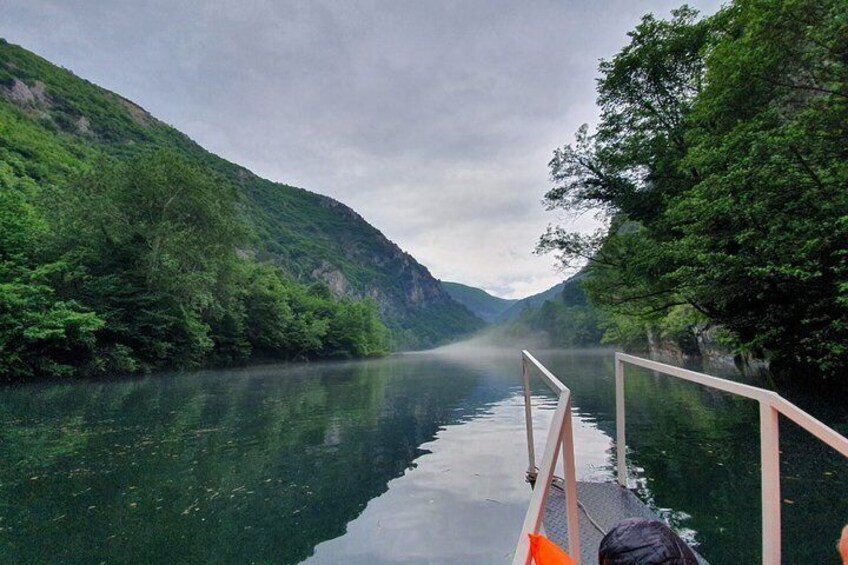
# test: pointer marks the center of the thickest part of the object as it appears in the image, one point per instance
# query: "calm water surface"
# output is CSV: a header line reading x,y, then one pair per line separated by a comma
x,y
414,459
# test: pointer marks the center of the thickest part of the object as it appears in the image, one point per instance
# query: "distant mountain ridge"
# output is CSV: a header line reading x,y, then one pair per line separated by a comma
x,y
495,310
314,237
561,316
531,302
478,301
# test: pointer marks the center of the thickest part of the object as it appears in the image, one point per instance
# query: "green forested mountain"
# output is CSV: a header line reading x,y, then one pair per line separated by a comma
x,y
530,303
561,316
126,246
478,301
721,164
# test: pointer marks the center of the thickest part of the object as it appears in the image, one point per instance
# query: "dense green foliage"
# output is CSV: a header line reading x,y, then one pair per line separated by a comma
x,y
39,332
721,166
118,256
59,133
135,265
481,303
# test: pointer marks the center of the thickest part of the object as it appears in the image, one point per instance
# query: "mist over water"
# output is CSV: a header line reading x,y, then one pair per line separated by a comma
x,y
493,345
418,458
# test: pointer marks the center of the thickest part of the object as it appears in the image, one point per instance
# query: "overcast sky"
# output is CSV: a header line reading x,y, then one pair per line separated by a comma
x,y
434,120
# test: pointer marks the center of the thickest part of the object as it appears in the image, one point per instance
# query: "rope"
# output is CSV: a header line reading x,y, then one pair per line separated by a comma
x,y
592,520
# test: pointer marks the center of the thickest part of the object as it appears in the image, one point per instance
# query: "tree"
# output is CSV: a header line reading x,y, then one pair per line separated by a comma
x,y
145,264
631,168
765,232
720,165
151,240
39,332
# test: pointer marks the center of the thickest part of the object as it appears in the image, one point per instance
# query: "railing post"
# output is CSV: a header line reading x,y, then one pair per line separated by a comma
x,y
770,477
536,512
570,475
620,441
528,416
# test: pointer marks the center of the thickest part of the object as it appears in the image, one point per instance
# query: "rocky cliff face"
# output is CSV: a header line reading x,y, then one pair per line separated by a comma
x,y
318,238
402,287
416,288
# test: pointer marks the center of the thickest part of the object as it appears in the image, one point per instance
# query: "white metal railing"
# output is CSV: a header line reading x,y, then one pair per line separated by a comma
x,y
560,436
771,406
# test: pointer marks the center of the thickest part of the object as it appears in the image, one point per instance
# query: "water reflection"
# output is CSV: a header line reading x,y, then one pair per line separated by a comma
x,y
465,500
416,458
233,466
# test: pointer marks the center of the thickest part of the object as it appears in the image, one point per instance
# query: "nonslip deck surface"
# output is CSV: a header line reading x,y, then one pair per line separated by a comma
x,y
606,504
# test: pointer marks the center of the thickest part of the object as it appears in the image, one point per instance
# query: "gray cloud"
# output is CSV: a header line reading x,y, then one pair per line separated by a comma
x,y
434,120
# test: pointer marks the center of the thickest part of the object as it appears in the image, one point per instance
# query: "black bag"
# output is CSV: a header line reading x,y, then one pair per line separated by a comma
x,y
637,541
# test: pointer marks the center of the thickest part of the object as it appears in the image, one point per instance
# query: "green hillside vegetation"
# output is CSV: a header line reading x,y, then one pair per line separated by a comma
x,y
124,246
135,266
478,301
721,163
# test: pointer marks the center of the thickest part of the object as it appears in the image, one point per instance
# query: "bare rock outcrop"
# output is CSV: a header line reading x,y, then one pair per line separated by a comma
x,y
333,278
23,95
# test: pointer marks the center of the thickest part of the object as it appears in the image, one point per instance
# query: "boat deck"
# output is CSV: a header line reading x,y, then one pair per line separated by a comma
x,y
601,507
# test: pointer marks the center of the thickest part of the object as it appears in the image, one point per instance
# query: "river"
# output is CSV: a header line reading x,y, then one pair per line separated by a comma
x,y
415,458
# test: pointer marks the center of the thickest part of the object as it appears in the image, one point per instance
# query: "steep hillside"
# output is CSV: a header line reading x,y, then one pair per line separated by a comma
x,y
531,302
54,124
478,301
